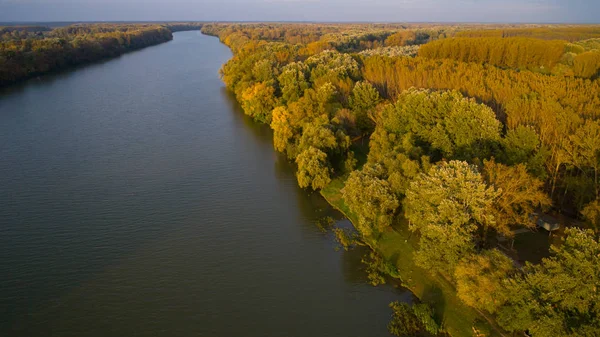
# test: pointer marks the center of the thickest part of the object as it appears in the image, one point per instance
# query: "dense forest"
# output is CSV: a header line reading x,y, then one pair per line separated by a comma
x,y
442,144
27,51
546,56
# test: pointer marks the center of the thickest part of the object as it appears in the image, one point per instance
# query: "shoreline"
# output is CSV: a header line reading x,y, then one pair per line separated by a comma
x,y
107,56
456,317
431,289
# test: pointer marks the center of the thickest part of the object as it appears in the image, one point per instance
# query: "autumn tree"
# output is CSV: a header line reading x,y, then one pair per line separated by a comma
x,y
479,279
518,195
587,64
258,101
401,38
520,53
584,152
591,213
282,128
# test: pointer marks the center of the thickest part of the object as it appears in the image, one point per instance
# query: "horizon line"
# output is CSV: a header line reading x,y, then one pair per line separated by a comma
x,y
307,21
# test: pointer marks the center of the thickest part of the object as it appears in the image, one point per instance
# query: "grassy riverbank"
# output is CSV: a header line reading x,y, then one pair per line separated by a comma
x,y
396,246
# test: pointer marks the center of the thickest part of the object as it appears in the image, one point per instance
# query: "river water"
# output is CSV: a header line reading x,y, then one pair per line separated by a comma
x,y
138,200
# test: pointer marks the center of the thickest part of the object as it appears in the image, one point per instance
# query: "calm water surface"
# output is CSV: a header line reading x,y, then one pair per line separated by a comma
x,y
137,200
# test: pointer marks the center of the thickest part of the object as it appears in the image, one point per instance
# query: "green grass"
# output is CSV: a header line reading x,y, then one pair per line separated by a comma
x,y
397,246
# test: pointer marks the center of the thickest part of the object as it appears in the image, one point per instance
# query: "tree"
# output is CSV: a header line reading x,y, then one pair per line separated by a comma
x,y
479,279
370,198
282,128
519,195
584,151
447,206
558,297
447,122
313,169
401,38
587,65
522,145
413,320
425,314
317,135
591,212
404,322
363,100
264,71
293,81
364,97
258,101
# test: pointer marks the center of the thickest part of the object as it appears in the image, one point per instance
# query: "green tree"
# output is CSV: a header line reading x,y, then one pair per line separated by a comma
x,y
558,297
293,81
371,199
447,206
522,145
425,314
447,122
363,100
404,322
313,169
317,135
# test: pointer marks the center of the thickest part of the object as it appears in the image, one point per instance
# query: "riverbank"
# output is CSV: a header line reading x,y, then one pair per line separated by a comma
x,y
66,47
396,246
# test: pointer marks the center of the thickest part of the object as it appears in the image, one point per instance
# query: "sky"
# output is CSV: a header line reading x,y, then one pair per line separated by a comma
x,y
534,11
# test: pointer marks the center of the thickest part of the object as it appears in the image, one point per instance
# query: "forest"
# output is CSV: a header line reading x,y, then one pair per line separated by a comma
x,y
29,51
442,144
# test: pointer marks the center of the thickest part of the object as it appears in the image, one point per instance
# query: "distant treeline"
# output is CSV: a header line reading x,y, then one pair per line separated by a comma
x,y
25,53
568,33
546,56
180,27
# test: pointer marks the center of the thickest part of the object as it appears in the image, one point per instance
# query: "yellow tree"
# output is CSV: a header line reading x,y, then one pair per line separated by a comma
x,y
479,279
282,129
519,194
258,101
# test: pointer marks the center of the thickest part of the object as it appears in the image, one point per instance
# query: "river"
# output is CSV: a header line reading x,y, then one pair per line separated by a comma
x,y
138,200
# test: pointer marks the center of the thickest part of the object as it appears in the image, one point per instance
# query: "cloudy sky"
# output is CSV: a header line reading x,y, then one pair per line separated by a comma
x,y
572,11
